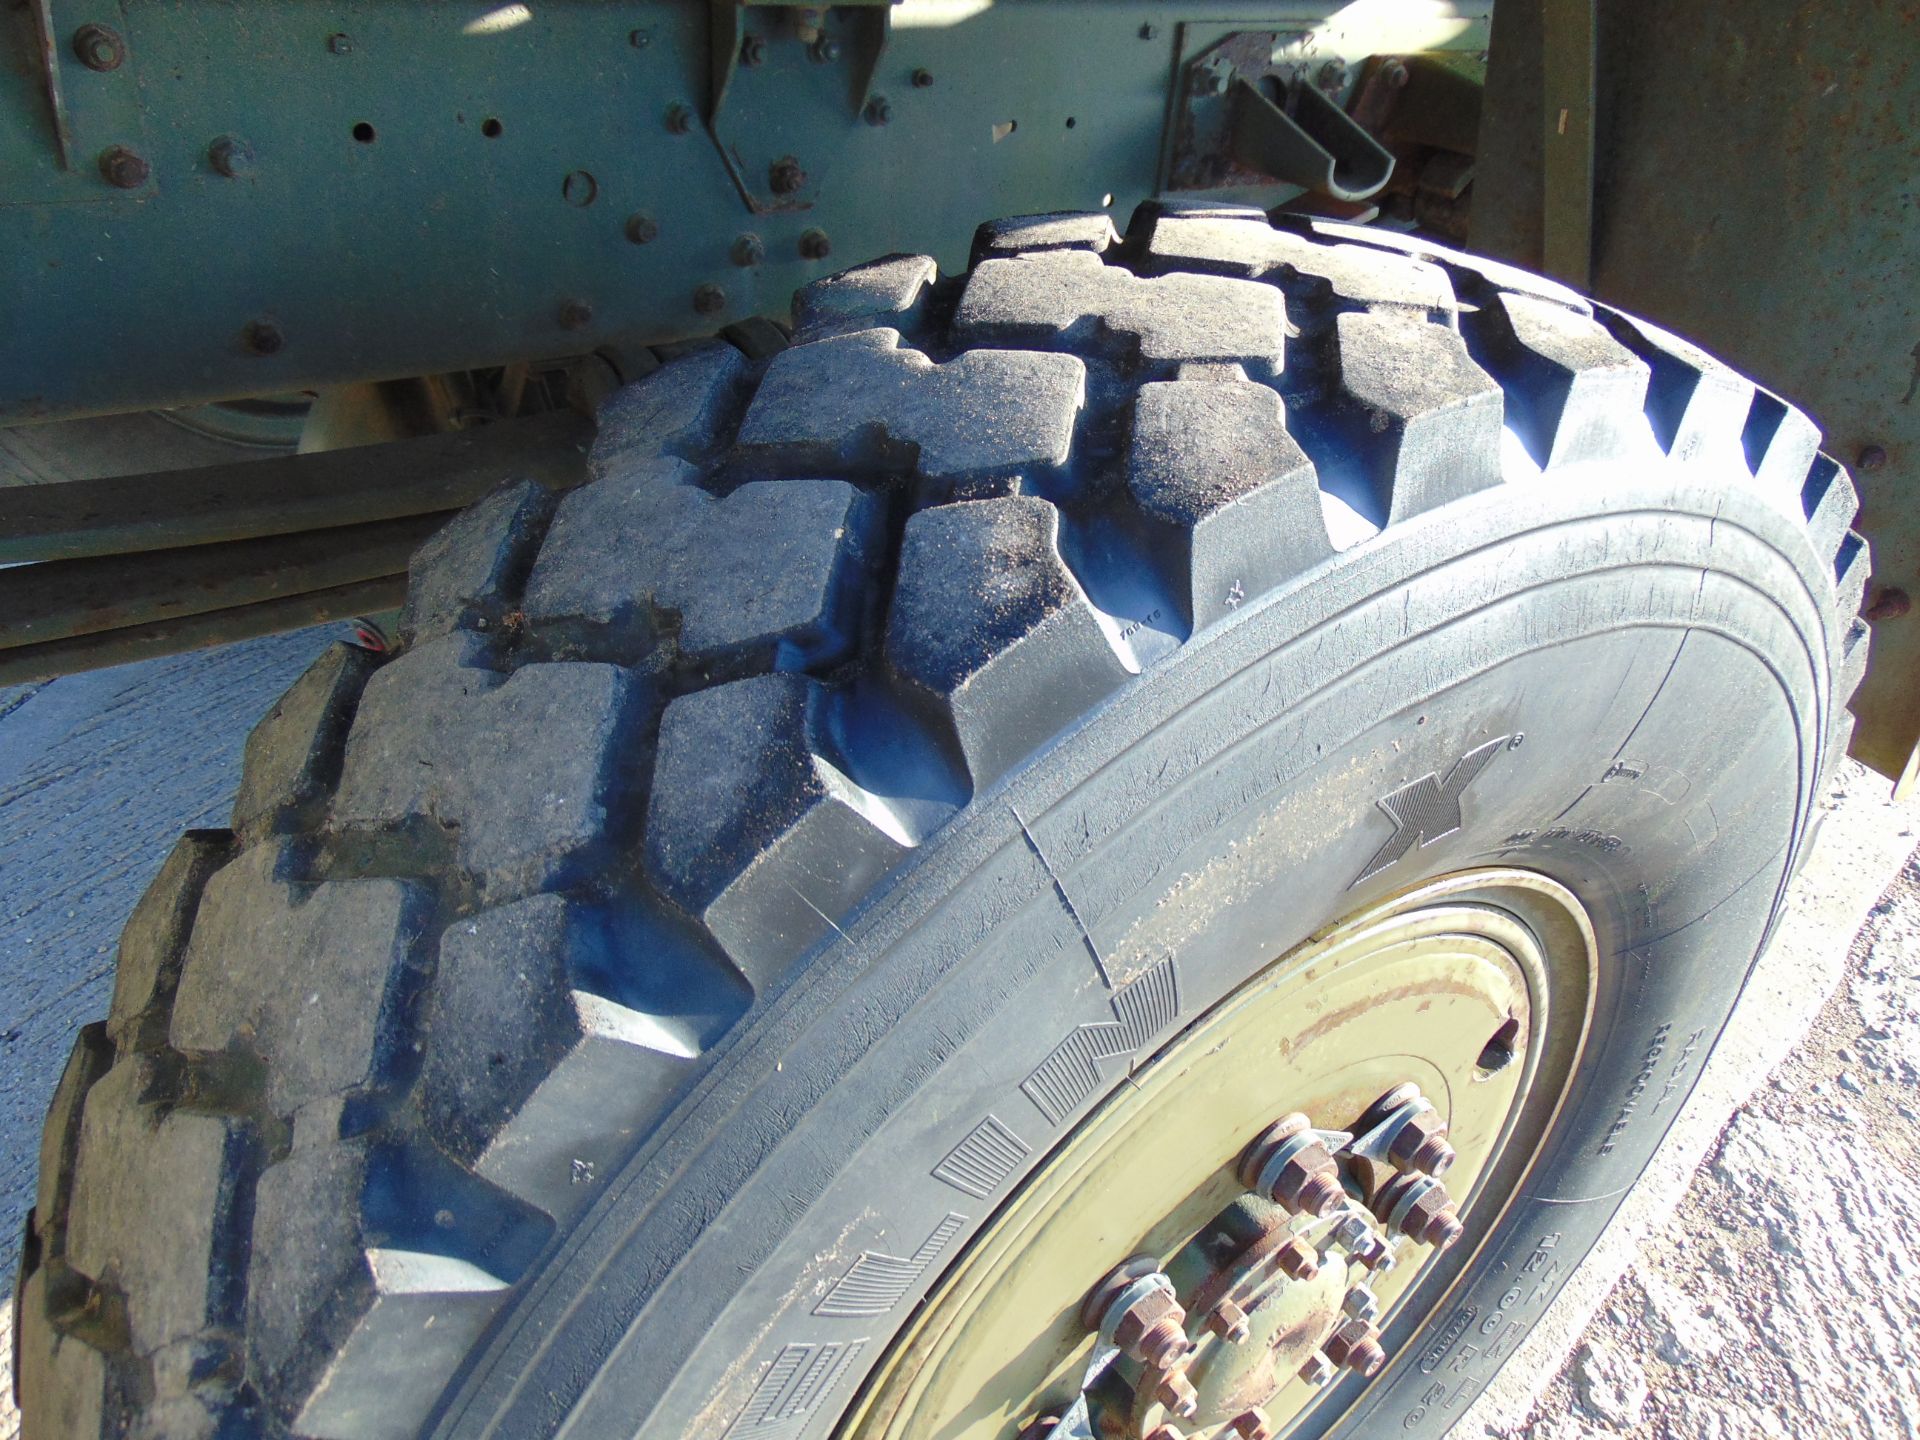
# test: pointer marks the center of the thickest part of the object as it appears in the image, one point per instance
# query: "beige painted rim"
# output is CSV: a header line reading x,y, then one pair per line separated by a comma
x,y
1411,989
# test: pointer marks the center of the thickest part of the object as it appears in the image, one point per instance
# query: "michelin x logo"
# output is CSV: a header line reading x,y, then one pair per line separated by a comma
x,y
1429,809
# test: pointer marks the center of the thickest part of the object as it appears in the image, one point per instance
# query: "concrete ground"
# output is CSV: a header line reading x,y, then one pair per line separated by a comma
x,y
1767,1291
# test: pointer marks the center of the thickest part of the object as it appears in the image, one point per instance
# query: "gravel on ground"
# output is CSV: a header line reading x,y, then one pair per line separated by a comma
x,y
1782,1298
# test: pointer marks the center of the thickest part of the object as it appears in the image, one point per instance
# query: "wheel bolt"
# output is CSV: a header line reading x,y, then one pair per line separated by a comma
x,y
1176,1392
1419,1207
1318,1369
1297,1260
1229,1322
1292,1166
1360,1303
1422,1145
1250,1425
1356,1345
1165,1343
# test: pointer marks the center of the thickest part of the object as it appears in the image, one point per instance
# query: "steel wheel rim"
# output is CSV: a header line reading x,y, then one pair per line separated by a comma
x,y
1000,1341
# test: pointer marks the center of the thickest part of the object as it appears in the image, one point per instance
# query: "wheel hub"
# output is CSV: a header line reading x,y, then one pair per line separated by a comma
x,y
1270,1188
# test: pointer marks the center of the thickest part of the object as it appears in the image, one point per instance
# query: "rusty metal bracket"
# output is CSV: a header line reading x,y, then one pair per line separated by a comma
x,y
1307,141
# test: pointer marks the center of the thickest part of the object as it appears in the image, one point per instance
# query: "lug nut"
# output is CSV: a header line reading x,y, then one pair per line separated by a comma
x,y
1176,1392
1291,1166
1419,1207
1229,1322
1297,1260
1355,1344
1250,1425
1360,1303
1422,1145
1318,1369
99,47
123,169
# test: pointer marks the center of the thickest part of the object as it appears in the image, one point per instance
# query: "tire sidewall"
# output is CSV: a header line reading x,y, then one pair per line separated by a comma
x,y
1217,811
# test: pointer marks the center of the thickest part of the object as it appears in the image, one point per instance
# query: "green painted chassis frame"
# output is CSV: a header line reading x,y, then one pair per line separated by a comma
x,y
337,191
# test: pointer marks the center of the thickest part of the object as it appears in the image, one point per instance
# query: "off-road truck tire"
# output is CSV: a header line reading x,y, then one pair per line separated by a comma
x,y
609,1010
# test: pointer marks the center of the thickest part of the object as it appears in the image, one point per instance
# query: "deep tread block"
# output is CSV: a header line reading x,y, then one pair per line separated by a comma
x,y
91,1058
293,754
464,575
1852,668
890,291
989,622
1251,248
1693,401
754,829
1851,565
1435,415
1781,443
520,774
1578,393
155,940
157,1195
1483,273
1829,503
402,1261
683,409
1213,462
859,404
768,576
314,976
1071,299
64,1384
1061,230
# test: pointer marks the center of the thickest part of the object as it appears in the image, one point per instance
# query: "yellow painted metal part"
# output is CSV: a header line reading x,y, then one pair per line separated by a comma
x,y
1410,991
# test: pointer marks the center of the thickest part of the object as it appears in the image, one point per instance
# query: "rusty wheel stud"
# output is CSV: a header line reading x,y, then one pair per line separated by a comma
x,y
1418,1207
1176,1392
1292,1166
1229,1322
1355,1345
1297,1260
1318,1369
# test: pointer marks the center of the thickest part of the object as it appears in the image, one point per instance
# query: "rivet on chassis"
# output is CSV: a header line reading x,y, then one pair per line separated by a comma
x,y
1870,457
879,111
575,315
339,44
99,47
785,175
262,337
123,169
753,50
824,51
230,156
679,119
1290,1165
1889,602
709,299
747,250
922,79
642,229
814,245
